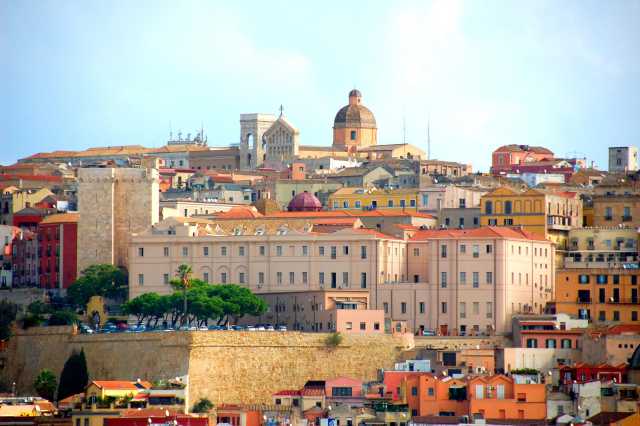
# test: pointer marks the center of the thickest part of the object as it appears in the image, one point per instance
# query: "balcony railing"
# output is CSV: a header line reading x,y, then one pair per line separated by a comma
x,y
624,301
627,218
584,300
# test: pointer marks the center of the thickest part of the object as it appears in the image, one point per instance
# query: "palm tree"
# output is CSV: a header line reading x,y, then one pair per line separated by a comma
x,y
184,275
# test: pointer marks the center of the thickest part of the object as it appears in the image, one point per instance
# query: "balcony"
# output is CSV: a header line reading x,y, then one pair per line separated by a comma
x,y
584,301
624,301
608,218
627,218
558,223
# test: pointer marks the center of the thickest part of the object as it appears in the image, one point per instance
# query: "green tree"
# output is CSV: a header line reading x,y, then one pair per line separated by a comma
x,y
74,376
98,280
63,317
38,307
183,283
8,312
202,406
45,384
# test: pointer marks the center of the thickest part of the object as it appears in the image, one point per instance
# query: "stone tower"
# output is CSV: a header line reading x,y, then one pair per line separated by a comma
x,y
252,145
113,203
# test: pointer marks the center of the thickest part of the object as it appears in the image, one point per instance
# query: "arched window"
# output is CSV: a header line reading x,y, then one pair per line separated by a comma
x,y
488,207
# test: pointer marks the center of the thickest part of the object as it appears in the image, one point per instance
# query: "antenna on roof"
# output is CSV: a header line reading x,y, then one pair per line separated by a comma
x,y
428,139
404,129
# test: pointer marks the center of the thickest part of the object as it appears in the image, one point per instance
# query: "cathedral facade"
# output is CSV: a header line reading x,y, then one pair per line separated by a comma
x,y
267,139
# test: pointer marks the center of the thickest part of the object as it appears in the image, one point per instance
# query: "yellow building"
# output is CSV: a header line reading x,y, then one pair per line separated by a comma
x,y
549,214
373,199
599,294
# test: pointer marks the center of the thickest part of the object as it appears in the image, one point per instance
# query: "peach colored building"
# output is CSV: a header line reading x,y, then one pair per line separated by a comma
x,y
268,256
323,310
454,281
468,281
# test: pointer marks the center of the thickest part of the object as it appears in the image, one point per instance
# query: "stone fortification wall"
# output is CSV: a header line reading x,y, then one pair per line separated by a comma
x,y
222,366
125,356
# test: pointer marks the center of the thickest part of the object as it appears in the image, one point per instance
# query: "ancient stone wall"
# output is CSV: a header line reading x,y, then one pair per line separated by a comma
x,y
222,366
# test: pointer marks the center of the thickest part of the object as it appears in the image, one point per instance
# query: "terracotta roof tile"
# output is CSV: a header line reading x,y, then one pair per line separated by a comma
x,y
483,232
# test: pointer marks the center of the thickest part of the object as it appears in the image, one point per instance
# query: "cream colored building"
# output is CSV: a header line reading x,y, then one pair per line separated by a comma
x,y
485,276
433,198
265,255
469,281
112,204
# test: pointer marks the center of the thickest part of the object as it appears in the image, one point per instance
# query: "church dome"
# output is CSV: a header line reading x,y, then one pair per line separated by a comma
x,y
355,114
304,202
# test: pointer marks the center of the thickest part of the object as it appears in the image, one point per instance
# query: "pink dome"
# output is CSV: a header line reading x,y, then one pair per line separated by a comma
x,y
304,202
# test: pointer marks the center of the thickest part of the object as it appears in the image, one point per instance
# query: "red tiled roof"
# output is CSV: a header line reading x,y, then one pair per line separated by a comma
x,y
239,213
6,176
312,392
483,232
289,392
335,221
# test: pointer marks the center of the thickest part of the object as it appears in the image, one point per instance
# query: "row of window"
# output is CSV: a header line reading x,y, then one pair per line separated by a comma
x,y
475,279
443,308
462,309
602,315
550,343
475,250
224,251
603,279
331,278
345,204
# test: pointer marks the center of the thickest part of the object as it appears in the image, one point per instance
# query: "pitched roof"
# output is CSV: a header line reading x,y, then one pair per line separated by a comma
x,y
121,384
61,218
287,392
501,232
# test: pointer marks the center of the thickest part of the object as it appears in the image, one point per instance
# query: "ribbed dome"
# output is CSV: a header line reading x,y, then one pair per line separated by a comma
x,y
304,202
355,114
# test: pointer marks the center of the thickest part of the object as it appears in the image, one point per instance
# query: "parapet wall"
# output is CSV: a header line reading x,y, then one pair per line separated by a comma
x,y
222,366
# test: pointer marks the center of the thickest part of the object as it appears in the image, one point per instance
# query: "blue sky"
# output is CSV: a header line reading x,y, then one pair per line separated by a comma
x,y
563,74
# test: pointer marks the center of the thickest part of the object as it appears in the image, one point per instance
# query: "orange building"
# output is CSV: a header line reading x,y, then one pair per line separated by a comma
x,y
502,397
598,294
428,395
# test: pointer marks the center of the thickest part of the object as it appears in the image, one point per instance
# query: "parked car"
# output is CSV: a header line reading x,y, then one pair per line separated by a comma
x,y
85,329
203,328
281,328
269,327
237,327
109,328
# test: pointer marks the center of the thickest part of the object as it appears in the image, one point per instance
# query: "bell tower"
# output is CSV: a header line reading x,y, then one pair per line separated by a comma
x,y
252,145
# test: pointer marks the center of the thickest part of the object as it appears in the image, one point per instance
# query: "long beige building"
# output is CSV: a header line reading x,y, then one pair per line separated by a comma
x,y
453,281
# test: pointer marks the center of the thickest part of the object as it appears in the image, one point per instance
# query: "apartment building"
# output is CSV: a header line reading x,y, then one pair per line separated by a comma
x,y
616,209
459,281
268,256
601,294
434,198
469,281
551,215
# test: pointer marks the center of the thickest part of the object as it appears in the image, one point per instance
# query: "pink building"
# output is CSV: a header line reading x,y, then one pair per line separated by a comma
x,y
343,388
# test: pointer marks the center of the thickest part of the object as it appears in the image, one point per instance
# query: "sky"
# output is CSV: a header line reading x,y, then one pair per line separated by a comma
x,y
562,74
